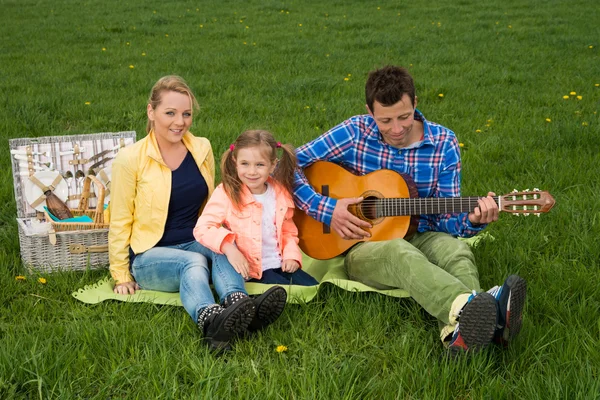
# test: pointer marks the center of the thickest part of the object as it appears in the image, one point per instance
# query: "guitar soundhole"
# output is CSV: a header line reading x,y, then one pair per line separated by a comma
x,y
369,208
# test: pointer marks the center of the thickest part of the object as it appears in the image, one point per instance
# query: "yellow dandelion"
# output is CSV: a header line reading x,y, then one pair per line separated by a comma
x,y
104,49
548,120
43,281
584,123
489,121
572,93
306,107
579,97
201,26
281,348
247,27
461,145
346,79
154,12
591,47
441,95
87,103
565,97
326,55
166,35
143,54
197,9
287,12
299,24
477,130
379,8
487,125
245,43
131,67
597,85
20,278
253,43
510,27
127,43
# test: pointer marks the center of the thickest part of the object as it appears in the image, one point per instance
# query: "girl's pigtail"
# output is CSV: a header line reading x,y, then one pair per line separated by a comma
x,y
284,173
229,176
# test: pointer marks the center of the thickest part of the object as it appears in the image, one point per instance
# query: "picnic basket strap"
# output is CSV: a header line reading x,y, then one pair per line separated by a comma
x,y
83,203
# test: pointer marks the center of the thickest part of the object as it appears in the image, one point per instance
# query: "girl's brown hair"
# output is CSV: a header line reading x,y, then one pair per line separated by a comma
x,y
284,171
169,83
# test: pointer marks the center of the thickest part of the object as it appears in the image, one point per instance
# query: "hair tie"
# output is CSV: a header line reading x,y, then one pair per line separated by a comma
x,y
231,147
278,145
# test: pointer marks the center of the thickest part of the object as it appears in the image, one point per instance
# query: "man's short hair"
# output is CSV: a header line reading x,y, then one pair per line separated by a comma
x,y
387,86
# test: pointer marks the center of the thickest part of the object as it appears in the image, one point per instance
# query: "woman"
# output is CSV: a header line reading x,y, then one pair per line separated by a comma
x,y
159,186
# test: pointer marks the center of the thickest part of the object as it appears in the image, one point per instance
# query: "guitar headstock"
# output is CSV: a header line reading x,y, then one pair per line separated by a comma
x,y
526,202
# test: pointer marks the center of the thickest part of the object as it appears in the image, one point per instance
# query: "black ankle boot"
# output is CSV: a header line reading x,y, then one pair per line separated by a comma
x,y
269,307
220,325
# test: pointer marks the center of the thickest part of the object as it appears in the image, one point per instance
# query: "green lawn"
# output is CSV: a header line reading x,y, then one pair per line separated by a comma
x,y
298,68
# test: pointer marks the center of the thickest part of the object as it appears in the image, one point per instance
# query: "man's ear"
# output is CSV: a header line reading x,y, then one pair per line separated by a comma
x,y
416,98
369,110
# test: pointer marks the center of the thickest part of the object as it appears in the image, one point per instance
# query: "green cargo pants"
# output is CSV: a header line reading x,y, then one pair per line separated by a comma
x,y
433,267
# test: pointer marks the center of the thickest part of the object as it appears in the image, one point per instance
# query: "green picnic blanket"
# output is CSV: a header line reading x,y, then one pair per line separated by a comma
x,y
325,271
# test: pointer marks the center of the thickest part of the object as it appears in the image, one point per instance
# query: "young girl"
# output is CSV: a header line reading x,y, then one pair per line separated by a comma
x,y
249,216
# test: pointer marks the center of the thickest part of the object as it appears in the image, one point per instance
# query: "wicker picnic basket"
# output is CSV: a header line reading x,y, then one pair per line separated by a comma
x,y
65,246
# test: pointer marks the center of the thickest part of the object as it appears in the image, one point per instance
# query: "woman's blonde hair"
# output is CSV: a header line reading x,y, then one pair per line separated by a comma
x,y
169,83
284,171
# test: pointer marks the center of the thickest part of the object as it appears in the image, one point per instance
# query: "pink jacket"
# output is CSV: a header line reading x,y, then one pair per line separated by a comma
x,y
220,222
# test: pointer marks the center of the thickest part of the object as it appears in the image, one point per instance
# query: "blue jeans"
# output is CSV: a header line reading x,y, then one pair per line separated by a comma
x,y
277,276
184,268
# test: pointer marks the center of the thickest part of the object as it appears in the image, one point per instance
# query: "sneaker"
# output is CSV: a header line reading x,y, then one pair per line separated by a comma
x,y
476,324
510,299
223,324
269,307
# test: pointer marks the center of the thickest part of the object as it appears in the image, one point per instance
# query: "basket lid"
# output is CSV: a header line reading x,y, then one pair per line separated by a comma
x,y
55,161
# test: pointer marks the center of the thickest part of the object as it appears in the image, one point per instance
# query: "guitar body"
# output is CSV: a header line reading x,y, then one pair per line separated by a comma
x,y
319,241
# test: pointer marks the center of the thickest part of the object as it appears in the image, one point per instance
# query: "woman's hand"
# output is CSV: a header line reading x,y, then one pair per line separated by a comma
x,y
126,288
237,260
290,266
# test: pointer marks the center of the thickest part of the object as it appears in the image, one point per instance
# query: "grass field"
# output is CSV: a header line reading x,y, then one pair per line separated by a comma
x,y
497,73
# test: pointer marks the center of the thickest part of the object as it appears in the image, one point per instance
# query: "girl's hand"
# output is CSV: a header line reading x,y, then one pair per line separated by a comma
x,y
126,288
237,260
290,266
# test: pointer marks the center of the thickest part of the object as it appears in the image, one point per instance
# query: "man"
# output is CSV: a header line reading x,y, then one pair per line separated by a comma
x,y
433,266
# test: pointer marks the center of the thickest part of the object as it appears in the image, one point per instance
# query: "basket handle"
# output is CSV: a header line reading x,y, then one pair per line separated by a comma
x,y
85,195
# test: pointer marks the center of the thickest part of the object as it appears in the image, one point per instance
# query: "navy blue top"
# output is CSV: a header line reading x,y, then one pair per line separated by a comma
x,y
188,192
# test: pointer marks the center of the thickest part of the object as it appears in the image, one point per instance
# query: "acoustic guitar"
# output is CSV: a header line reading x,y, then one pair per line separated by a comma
x,y
391,205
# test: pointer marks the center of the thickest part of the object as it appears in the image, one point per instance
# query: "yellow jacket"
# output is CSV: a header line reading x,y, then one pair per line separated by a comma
x,y
139,198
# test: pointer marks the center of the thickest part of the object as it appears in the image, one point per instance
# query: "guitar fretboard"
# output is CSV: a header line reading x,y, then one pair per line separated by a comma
x,y
431,205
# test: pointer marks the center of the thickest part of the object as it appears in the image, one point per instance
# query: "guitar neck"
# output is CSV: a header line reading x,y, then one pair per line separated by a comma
x,y
390,207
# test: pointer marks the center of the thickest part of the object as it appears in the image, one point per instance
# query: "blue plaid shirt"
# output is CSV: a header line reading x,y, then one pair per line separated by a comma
x,y
356,144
